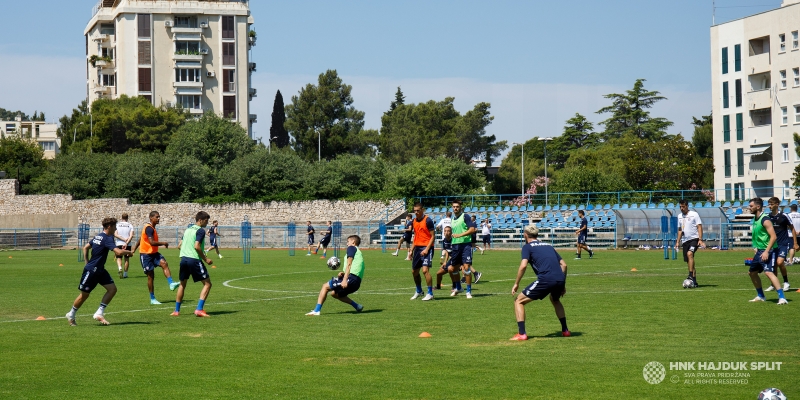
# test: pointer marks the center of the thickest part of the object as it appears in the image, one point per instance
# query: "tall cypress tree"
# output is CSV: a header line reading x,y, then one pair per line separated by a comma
x,y
399,99
277,132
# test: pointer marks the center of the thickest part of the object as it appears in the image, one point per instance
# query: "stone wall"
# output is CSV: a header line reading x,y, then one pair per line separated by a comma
x,y
179,214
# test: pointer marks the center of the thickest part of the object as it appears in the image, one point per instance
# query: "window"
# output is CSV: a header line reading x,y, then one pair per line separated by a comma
x,y
186,22
107,52
148,97
782,38
144,53
187,47
739,127
725,101
785,152
724,60
229,107
783,78
48,146
106,29
737,58
740,161
229,80
145,82
738,191
11,127
727,163
105,79
796,73
797,113
187,75
227,27
761,117
144,25
189,101
726,128
727,191
787,192
784,116
229,54
738,92
794,40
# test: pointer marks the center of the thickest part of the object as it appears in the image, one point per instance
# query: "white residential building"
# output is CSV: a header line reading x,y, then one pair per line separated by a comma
x,y
188,53
755,76
46,135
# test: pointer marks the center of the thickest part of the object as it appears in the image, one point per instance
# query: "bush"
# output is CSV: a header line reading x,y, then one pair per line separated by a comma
x,y
434,177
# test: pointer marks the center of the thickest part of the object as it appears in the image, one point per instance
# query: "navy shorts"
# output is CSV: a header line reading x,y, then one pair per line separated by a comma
x,y
325,241
150,261
581,239
447,264
214,240
418,261
539,290
487,239
759,266
462,254
91,278
783,251
406,238
194,268
310,239
353,284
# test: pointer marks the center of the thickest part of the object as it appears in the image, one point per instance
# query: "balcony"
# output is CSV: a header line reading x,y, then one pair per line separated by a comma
x,y
194,31
99,89
759,134
759,99
188,56
195,111
759,169
252,92
187,84
253,118
758,63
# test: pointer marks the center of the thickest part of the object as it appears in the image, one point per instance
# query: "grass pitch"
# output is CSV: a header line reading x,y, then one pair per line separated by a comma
x,y
259,344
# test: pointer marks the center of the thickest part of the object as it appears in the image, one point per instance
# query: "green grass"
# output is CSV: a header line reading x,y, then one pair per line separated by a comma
x,y
259,343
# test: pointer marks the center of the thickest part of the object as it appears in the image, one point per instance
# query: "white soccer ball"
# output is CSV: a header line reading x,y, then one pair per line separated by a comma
x,y
688,283
771,394
333,263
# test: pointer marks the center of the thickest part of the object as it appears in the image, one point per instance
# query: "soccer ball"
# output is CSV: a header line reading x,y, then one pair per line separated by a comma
x,y
333,263
688,283
771,394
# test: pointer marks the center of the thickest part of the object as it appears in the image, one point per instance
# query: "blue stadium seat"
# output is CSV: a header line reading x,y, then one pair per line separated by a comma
x,y
428,210
651,205
717,204
727,204
784,203
793,202
572,208
617,207
671,205
436,210
538,208
515,208
482,209
698,205
634,205
708,204
507,208
490,209
737,203
547,208
661,206
787,210
738,211
607,207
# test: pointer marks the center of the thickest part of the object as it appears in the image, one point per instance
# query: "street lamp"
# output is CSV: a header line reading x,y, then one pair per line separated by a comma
x,y
75,131
319,145
522,185
545,140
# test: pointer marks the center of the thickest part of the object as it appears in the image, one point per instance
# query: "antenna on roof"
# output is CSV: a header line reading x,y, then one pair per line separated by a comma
x,y
713,12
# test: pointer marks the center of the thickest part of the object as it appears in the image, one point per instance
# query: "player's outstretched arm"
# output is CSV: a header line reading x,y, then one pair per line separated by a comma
x,y
86,252
120,252
136,247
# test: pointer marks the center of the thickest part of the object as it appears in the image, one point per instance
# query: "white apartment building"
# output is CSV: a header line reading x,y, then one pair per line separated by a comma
x,y
46,135
188,53
755,86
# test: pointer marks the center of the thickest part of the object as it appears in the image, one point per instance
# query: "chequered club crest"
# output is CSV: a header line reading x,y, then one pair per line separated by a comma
x,y
654,372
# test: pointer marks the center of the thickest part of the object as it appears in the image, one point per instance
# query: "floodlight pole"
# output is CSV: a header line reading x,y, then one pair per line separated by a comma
x,y
545,140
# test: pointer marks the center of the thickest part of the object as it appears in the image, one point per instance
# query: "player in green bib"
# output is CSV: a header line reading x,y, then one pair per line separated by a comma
x,y
463,227
192,258
765,242
348,281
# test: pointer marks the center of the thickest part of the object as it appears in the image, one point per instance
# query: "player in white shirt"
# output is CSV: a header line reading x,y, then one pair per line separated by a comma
x,y
122,238
445,222
690,237
794,216
486,235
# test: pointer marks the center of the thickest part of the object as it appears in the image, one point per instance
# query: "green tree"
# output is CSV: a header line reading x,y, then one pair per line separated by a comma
x,y
584,179
434,177
629,115
133,123
8,115
703,137
669,164
212,140
74,129
347,176
399,99
509,177
277,131
578,133
436,129
84,176
325,113
21,158
264,176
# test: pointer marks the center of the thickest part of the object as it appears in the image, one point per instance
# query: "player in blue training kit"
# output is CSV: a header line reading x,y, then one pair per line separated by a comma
x,y
213,238
310,230
325,241
785,235
447,265
583,233
408,232
551,278
347,282
94,272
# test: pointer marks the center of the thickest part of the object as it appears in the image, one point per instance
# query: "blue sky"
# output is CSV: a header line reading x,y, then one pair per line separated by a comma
x,y
536,62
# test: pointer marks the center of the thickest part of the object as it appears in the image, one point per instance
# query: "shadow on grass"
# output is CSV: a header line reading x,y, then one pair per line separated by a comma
x,y
482,294
707,286
133,323
220,312
369,311
558,334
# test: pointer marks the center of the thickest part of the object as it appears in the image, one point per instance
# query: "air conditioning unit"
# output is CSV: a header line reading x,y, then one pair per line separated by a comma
x,y
168,23
211,74
204,24
252,66
169,104
204,51
253,92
